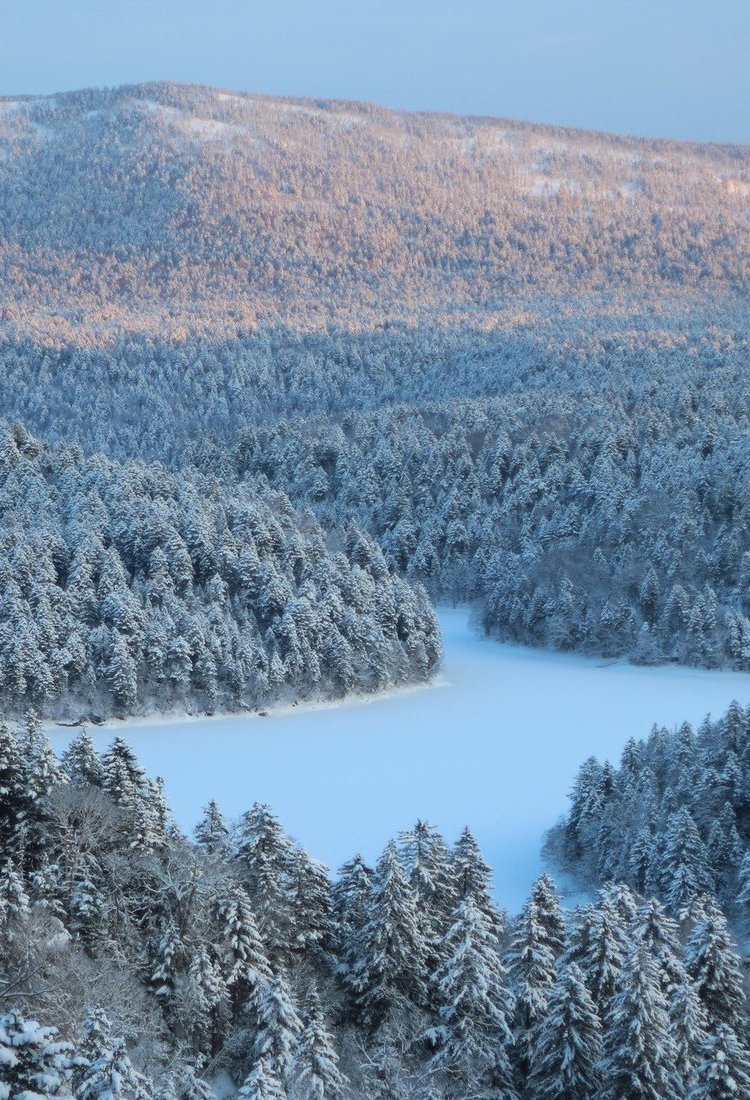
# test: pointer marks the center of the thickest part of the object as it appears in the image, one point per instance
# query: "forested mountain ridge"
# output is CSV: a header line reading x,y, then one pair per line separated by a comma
x,y
171,209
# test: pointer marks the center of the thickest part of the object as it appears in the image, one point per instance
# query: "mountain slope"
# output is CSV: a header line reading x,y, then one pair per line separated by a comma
x,y
168,209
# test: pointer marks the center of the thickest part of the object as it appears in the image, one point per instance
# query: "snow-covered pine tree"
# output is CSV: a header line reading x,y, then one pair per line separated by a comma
x,y
639,1054
111,1076
388,971
14,902
684,868
262,1083
723,1071
277,1029
715,968
431,871
315,1073
34,1063
687,1027
310,911
531,965
81,762
211,832
475,1008
567,1042
244,963
202,1002
350,898
264,858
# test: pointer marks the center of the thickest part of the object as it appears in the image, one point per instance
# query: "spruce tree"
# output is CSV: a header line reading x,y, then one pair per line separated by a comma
x,y
33,1062
567,1043
262,1083
244,962
716,970
475,1007
211,832
265,861
315,1073
81,761
639,1054
277,1029
531,965
389,968
723,1072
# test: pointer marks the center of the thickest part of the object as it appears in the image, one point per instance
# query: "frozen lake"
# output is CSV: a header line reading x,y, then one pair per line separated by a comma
x,y
495,745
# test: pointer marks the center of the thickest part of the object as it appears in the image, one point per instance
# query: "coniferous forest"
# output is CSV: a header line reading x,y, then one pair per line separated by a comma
x,y
166,962
278,376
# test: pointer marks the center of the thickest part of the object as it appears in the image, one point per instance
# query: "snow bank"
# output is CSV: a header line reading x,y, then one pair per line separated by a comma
x,y
495,746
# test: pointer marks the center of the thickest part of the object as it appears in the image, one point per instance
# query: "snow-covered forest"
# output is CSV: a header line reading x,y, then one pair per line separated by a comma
x,y
673,820
275,375
124,587
143,964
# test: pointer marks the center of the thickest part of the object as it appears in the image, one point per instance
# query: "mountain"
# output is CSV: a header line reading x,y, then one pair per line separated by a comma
x,y
172,210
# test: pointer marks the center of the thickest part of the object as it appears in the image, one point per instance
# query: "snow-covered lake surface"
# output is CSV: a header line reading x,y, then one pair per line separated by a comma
x,y
495,745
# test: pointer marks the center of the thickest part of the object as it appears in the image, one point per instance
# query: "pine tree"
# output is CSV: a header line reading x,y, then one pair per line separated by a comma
x,y
34,1063
310,899
658,933
567,1043
211,832
350,897
715,968
13,798
277,1029
262,1083
472,877
684,866
14,902
531,965
81,761
168,951
549,913
598,945
639,1059
475,1007
430,869
723,1073
687,1027
244,962
265,860
315,1073
111,1076
390,964
203,1003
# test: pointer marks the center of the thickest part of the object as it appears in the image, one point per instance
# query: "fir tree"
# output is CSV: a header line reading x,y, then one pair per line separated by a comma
x,y
211,832
389,968
277,1029
715,968
34,1063
315,1073
723,1072
639,1055
81,761
567,1043
262,1083
475,1007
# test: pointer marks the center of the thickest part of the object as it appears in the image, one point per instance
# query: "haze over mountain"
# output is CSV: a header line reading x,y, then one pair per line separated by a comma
x,y
171,210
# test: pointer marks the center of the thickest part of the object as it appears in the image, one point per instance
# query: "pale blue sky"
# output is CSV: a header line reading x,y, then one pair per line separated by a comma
x,y
672,68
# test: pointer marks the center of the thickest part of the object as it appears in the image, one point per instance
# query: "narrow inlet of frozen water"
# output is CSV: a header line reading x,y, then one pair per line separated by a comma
x,y
495,745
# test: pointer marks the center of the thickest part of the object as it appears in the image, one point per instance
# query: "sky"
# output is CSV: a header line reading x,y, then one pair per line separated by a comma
x,y
661,68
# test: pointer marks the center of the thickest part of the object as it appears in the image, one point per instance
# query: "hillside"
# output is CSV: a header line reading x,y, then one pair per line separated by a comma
x,y
173,210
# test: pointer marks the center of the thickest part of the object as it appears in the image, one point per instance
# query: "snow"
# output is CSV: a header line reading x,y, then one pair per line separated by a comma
x,y
495,744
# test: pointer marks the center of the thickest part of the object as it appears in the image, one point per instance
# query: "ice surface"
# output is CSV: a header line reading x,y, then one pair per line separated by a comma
x,y
495,745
